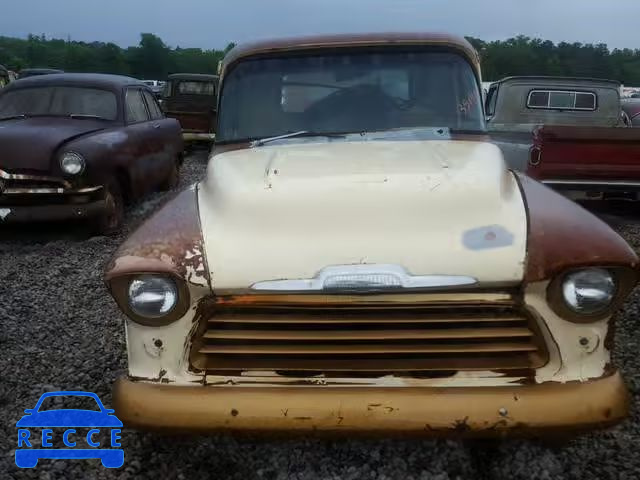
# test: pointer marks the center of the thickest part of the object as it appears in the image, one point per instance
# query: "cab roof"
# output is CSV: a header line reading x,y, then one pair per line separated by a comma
x,y
96,80
203,77
550,79
288,44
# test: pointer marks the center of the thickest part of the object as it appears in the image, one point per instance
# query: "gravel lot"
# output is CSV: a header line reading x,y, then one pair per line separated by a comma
x,y
61,331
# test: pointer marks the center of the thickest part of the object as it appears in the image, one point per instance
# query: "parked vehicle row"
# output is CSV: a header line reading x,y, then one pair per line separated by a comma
x,y
190,98
360,256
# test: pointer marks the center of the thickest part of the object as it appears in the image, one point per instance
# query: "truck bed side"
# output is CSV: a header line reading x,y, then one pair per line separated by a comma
x,y
587,158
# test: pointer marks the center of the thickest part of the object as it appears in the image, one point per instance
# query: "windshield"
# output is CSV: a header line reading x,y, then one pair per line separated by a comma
x,y
349,92
59,101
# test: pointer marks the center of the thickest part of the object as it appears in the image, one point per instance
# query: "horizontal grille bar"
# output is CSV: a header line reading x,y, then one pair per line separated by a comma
x,y
368,317
382,335
438,362
366,349
391,300
378,333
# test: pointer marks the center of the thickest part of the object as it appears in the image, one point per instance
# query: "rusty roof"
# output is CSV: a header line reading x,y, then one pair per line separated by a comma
x,y
96,80
350,40
551,78
192,76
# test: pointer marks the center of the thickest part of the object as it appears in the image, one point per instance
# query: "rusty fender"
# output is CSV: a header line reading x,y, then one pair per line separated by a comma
x,y
522,409
169,242
563,235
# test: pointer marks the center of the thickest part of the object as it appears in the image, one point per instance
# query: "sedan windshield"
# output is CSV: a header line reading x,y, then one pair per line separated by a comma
x,y
349,92
59,101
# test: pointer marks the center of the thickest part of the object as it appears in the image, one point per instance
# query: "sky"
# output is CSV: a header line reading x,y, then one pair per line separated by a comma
x,y
214,23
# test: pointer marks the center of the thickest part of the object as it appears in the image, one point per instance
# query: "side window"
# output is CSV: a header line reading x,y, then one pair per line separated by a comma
x,y
136,109
154,109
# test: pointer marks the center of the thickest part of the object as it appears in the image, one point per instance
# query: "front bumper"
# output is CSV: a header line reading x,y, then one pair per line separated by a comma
x,y
480,411
48,204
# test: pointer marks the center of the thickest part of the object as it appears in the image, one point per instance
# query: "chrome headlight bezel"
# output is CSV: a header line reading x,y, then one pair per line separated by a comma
x,y
579,285
623,281
120,289
161,295
66,163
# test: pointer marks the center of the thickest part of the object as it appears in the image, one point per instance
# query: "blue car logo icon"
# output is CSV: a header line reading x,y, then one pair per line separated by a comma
x,y
69,420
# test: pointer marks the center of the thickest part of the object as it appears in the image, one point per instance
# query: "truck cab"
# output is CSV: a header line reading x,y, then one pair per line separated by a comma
x,y
191,99
517,106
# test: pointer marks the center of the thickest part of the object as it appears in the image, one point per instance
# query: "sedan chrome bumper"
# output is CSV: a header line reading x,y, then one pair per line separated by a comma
x,y
26,198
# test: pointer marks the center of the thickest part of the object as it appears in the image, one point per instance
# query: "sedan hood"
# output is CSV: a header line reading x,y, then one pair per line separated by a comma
x,y
429,207
28,144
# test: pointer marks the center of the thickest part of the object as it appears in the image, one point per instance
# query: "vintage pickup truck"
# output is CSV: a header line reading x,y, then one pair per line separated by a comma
x,y
517,106
360,259
191,98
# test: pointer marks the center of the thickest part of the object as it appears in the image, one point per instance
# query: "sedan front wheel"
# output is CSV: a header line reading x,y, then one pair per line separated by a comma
x,y
110,221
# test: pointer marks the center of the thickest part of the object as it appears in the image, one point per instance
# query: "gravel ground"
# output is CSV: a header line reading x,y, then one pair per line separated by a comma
x,y
61,331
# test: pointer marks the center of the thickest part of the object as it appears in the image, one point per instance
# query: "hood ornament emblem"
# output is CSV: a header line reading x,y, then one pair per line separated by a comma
x,y
364,278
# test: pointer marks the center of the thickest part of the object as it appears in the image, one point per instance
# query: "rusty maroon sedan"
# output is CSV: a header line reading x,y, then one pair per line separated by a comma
x,y
82,146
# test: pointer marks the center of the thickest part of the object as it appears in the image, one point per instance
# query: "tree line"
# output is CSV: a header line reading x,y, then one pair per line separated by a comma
x,y
532,56
150,59
153,59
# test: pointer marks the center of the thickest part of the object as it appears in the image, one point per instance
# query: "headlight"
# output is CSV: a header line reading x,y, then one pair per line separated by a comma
x,y
589,291
72,163
152,296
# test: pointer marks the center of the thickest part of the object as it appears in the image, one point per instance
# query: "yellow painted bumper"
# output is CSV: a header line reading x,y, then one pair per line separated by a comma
x,y
481,411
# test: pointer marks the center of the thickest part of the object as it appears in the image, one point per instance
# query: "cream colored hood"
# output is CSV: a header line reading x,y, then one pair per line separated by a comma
x,y
431,207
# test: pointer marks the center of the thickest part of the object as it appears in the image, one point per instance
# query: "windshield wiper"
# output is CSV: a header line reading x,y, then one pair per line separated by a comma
x,y
13,117
83,116
301,133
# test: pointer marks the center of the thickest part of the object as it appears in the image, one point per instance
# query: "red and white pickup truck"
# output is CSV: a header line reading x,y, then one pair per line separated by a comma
x,y
587,162
570,133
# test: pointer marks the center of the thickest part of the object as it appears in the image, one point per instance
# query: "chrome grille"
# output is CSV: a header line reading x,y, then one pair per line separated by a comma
x,y
368,337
